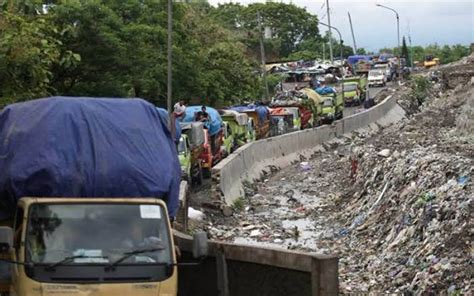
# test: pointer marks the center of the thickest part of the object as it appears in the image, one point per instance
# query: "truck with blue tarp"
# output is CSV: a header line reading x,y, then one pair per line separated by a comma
x,y
87,190
212,152
259,115
360,64
332,104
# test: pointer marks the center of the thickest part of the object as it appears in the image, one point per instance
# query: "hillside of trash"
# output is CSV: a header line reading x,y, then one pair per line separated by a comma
x,y
394,203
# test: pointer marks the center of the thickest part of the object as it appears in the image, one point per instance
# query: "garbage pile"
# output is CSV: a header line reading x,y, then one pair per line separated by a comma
x,y
290,98
395,204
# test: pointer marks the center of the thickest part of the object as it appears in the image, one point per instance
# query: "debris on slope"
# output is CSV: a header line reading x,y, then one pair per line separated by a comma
x,y
395,204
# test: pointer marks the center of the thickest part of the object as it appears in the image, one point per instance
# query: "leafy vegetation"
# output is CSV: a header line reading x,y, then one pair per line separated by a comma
x,y
446,53
118,48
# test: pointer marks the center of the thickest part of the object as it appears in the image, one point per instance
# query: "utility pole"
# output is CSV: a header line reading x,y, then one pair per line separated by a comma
x,y
170,65
330,33
398,33
410,59
324,51
342,56
262,55
352,31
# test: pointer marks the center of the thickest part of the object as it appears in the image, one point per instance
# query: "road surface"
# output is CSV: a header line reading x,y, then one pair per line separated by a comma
x,y
373,91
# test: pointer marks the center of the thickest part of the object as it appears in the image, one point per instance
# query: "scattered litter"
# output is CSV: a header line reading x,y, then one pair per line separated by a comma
x,y
195,214
384,153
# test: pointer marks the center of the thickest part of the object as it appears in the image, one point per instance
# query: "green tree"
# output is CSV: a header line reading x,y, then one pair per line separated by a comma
x,y
123,50
30,50
289,24
405,53
361,51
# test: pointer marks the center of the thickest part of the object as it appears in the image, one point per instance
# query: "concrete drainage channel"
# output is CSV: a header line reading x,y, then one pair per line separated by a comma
x,y
233,269
249,161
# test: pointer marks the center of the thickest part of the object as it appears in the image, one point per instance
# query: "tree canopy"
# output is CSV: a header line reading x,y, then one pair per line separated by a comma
x,y
115,48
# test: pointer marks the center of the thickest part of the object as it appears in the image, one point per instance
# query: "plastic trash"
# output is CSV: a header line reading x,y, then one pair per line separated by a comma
x,y
463,180
305,166
195,214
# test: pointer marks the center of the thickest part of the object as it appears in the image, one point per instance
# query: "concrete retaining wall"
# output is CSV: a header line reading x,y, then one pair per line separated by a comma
x,y
231,269
250,160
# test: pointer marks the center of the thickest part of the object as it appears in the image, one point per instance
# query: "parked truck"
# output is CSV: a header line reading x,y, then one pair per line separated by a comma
x,y
377,77
306,100
354,90
190,151
87,190
332,104
259,117
240,127
360,64
214,136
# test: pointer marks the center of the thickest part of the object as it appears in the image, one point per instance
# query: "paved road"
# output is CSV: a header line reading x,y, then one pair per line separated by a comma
x,y
373,91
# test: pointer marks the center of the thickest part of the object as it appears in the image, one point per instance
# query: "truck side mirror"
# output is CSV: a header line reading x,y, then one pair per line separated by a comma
x,y
200,245
6,239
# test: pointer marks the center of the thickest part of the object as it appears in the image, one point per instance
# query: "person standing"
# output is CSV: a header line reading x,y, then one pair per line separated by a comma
x,y
179,110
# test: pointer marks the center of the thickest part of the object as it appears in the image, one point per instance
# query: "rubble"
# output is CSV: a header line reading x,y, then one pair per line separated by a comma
x,y
395,203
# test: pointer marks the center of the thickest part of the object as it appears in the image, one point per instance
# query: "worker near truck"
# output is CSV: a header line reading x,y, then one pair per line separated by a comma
x,y
179,110
202,115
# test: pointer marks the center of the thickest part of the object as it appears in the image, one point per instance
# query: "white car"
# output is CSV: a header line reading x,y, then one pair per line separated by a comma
x,y
377,78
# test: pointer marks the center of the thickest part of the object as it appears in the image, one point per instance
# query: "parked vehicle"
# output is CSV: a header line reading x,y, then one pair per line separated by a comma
x,y
377,78
385,67
328,110
360,64
430,61
296,117
229,144
354,95
77,200
332,105
306,100
282,121
190,150
240,126
259,117
213,132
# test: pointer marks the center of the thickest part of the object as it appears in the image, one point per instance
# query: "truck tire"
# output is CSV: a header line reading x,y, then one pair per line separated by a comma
x,y
206,173
197,177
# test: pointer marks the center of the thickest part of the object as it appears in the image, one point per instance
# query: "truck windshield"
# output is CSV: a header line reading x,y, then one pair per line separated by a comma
x,y
97,234
375,73
181,146
350,87
327,103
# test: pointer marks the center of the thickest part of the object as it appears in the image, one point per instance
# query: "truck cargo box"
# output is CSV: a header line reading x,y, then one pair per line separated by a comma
x,y
86,147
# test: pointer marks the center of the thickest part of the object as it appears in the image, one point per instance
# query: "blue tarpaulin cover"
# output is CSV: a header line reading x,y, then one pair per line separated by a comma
x,y
261,110
177,129
355,58
214,125
325,90
86,147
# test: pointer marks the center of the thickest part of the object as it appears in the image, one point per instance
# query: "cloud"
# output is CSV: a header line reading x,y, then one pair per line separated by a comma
x,y
426,21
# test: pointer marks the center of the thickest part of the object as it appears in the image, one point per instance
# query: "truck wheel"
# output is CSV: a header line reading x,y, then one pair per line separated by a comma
x,y
206,173
199,178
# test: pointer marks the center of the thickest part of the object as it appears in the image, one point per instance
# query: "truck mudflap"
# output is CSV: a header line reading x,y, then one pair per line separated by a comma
x,y
232,269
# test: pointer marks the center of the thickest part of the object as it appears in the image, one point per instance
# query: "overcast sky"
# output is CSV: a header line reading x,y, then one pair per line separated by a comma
x,y
426,21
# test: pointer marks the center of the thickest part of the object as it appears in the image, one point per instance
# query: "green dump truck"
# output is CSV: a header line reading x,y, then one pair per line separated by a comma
x,y
355,90
239,127
332,105
190,148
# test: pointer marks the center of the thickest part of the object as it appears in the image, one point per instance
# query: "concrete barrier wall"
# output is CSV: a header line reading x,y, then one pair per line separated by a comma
x,y
250,160
231,269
